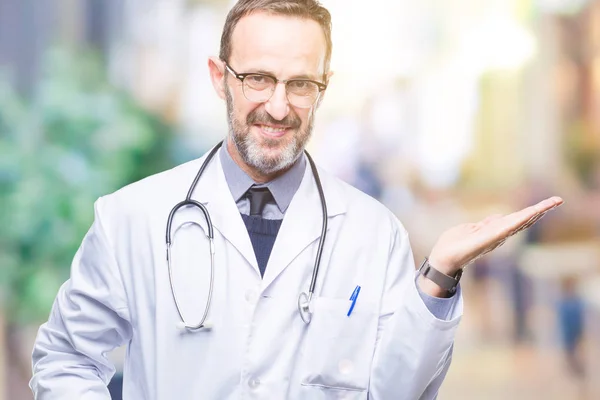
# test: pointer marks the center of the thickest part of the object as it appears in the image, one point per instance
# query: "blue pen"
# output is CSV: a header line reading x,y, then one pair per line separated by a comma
x,y
353,299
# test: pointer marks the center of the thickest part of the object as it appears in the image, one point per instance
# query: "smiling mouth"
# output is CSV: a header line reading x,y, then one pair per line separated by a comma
x,y
273,131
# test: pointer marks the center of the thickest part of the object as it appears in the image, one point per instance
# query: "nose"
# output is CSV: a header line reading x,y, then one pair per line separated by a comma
x,y
277,106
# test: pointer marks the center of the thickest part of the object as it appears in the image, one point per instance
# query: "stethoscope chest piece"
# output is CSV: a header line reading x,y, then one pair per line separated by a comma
x,y
304,307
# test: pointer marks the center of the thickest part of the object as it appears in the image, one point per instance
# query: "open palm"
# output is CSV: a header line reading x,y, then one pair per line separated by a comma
x,y
463,244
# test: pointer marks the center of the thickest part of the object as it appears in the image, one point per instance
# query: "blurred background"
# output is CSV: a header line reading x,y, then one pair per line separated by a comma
x,y
445,111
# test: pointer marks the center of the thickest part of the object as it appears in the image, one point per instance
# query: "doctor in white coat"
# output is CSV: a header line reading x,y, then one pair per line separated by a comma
x,y
375,327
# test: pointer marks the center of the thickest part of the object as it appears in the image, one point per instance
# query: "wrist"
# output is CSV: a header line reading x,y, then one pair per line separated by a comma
x,y
442,265
434,280
432,289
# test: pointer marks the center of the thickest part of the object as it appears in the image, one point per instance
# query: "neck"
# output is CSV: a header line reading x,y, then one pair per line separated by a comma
x,y
257,176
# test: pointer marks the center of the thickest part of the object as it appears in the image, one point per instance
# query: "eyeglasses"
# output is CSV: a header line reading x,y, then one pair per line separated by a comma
x,y
259,88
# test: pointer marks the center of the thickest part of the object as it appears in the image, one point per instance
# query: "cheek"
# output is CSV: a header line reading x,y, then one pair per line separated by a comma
x,y
241,110
305,114
239,104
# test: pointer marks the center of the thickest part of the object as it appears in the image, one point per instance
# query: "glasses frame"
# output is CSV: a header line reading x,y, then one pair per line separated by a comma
x,y
241,77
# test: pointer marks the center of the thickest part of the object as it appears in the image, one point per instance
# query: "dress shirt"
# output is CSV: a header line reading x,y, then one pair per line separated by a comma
x,y
283,188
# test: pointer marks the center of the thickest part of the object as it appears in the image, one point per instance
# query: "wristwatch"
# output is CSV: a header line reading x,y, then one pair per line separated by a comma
x,y
446,282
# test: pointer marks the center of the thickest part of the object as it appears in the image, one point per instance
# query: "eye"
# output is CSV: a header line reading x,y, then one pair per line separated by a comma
x,y
256,79
300,85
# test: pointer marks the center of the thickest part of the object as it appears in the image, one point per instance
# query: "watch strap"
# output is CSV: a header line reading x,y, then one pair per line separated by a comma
x,y
444,281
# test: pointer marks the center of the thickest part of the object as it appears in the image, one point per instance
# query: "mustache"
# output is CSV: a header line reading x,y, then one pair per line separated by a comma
x,y
262,117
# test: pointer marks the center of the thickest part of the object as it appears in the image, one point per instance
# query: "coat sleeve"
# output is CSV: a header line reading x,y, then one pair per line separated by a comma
x,y
414,348
89,318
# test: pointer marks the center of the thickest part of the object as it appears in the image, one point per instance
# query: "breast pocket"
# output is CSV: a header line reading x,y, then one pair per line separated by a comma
x,y
338,348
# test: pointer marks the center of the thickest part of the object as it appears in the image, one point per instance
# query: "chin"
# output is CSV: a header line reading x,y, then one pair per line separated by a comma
x,y
269,159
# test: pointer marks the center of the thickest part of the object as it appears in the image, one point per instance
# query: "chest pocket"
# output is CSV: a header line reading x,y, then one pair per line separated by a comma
x,y
338,349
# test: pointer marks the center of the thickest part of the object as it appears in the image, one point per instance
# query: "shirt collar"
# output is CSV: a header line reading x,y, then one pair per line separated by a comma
x,y
283,187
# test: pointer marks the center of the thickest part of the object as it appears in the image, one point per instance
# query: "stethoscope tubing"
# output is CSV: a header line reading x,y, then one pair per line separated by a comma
x,y
303,299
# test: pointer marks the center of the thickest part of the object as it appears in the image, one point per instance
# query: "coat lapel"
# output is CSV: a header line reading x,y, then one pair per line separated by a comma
x,y
302,223
212,190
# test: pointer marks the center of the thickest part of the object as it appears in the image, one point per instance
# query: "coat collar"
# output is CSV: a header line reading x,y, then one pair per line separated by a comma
x,y
282,188
301,225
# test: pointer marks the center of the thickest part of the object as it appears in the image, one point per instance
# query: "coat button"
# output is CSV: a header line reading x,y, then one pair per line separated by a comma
x,y
254,383
251,296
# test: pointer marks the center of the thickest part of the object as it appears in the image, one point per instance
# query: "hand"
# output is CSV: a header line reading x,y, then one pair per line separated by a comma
x,y
463,244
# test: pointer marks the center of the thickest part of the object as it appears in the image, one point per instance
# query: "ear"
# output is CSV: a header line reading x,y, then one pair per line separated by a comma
x,y
322,96
216,67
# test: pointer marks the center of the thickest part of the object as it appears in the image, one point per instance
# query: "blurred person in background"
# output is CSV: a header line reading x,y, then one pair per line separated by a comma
x,y
367,180
376,328
570,311
533,190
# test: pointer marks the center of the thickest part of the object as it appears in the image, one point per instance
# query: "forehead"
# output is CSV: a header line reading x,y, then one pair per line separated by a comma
x,y
280,44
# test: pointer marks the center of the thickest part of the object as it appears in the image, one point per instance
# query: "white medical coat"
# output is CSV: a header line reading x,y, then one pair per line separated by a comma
x,y
390,347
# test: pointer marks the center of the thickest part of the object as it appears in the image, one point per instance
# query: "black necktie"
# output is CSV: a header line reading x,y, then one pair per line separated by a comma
x,y
259,197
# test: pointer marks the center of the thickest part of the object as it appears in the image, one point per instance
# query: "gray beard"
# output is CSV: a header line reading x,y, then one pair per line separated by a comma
x,y
250,149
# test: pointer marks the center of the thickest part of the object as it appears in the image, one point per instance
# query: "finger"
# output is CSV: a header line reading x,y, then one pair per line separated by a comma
x,y
542,206
496,245
531,221
547,205
527,224
515,221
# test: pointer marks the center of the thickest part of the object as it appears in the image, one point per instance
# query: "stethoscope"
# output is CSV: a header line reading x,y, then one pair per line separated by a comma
x,y
304,299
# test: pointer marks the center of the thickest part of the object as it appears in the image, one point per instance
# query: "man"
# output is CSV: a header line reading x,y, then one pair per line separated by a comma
x,y
392,340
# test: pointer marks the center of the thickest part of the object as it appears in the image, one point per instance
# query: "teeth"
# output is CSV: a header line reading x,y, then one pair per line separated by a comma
x,y
272,130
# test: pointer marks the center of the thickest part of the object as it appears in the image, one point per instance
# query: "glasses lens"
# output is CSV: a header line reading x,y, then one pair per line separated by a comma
x,y
302,93
258,88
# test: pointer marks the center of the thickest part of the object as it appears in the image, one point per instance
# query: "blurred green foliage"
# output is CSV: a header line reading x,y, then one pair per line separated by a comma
x,y
76,139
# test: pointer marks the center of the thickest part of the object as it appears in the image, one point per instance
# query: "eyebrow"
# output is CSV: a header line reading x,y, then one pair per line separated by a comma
x,y
265,72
